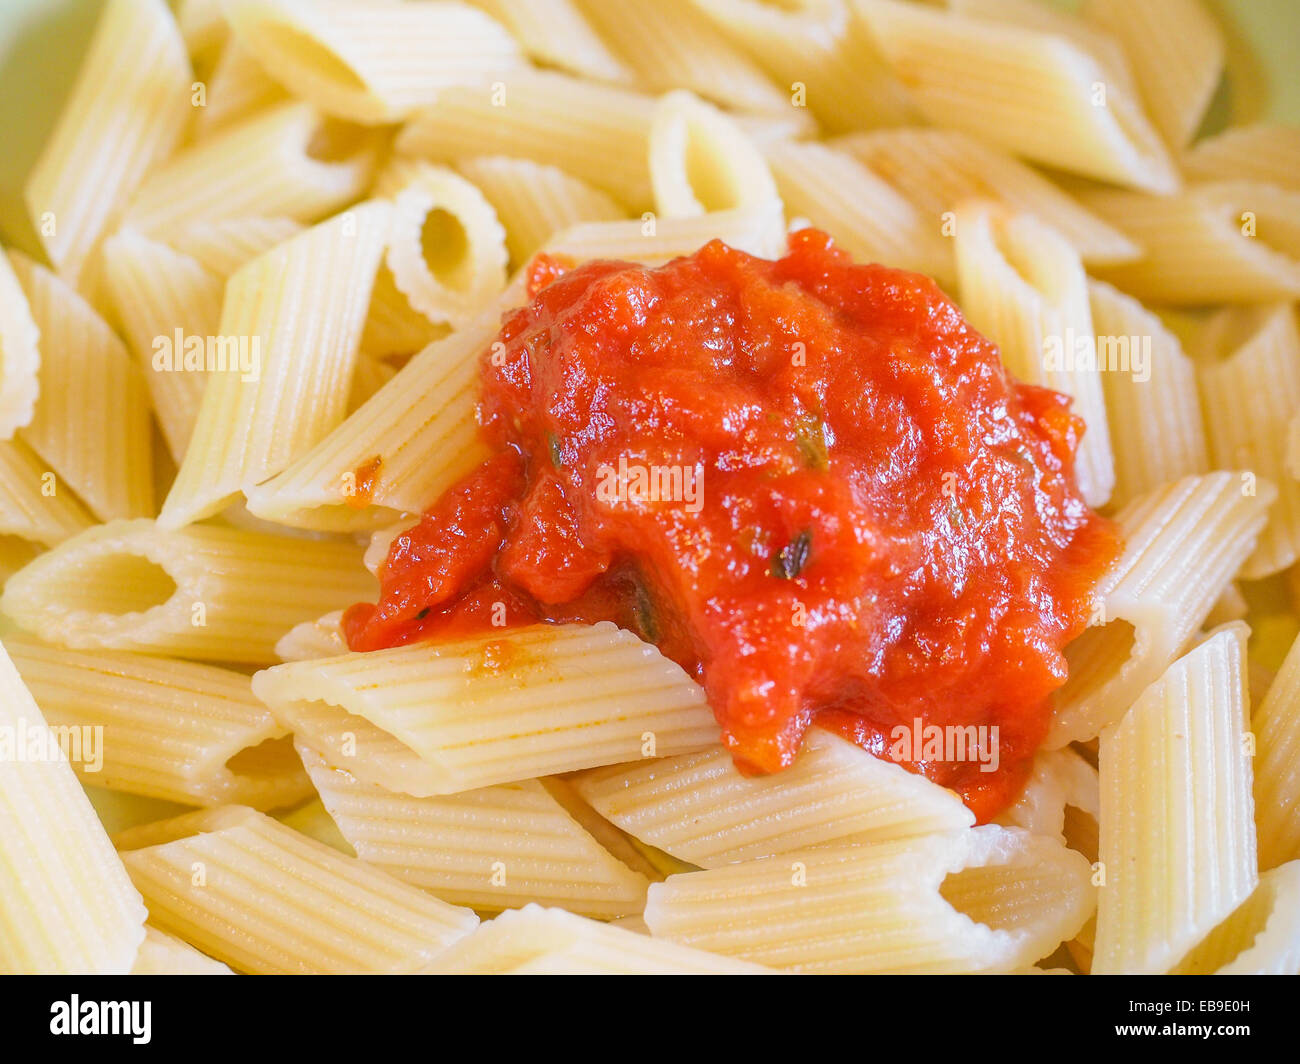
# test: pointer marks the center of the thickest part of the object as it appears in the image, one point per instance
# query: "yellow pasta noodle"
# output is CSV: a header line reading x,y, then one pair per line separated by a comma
x,y
237,87
939,169
1153,411
1262,152
1175,789
1276,727
1261,938
225,244
671,44
492,848
128,109
66,905
1230,241
91,422
164,954
984,899
864,213
595,132
162,296
446,248
286,162
20,357
1023,286
701,161
299,310
555,34
758,229
1182,545
535,201
372,63
699,808
1178,53
416,437
174,730
439,718
31,504
206,592
264,899
321,638
540,941
821,55
1249,399
1037,94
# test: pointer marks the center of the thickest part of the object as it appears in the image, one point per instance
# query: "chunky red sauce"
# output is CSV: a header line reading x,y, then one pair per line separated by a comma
x,y
810,482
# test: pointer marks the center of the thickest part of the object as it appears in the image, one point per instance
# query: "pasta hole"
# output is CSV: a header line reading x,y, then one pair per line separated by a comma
x,y
309,55
708,175
335,141
1233,937
123,583
269,759
1091,659
445,246
992,895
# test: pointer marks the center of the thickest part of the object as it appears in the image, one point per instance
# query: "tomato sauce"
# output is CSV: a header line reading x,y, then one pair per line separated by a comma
x,y
809,482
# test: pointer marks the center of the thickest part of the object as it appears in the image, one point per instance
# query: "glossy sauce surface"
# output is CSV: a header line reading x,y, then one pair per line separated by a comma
x,y
810,482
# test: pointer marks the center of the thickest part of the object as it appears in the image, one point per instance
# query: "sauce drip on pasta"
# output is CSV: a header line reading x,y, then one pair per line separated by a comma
x,y
809,482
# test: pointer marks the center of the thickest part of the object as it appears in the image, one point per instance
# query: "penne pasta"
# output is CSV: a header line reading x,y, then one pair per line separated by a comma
x,y
939,169
1152,408
250,892
1263,152
205,592
534,201
699,808
224,245
414,438
156,293
700,161
1182,545
31,504
440,718
554,33
671,44
548,941
238,87
91,423
865,214
298,310
758,229
321,638
1178,50
1232,242
1276,727
1037,94
128,109
164,954
1023,286
1248,424
1175,786
446,248
595,132
983,899
288,161
1262,937
20,356
372,63
173,730
493,848
819,54
66,905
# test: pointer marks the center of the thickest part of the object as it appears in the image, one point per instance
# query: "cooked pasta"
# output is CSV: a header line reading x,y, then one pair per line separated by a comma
x,y
66,905
1175,785
206,592
655,487
257,895
448,717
